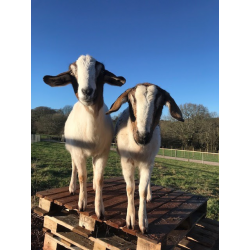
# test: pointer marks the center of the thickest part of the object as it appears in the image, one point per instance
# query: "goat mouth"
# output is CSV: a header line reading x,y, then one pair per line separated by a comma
x,y
87,102
140,142
142,139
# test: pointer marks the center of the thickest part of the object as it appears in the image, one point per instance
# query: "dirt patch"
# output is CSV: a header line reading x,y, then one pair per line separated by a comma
x,y
37,234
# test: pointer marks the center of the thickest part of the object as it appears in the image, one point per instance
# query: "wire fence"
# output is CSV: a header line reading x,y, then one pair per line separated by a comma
x,y
186,154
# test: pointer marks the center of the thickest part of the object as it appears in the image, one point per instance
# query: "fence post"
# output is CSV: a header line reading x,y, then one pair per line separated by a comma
x,y
175,154
202,157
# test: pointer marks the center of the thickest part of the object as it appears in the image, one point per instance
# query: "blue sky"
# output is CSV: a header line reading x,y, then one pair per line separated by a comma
x,y
173,44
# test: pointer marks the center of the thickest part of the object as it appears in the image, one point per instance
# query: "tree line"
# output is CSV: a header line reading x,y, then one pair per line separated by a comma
x,y
200,131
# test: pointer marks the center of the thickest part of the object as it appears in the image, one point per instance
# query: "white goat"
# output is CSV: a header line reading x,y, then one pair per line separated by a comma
x,y
88,131
138,141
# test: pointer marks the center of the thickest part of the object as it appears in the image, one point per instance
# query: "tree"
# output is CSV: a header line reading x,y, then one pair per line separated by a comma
x,y
67,109
200,129
45,120
51,124
36,114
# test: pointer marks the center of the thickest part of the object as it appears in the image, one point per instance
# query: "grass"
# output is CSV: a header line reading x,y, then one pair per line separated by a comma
x,y
51,167
195,155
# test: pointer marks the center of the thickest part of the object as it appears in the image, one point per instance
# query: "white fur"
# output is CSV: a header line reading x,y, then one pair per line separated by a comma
x,y
87,135
85,74
133,155
145,107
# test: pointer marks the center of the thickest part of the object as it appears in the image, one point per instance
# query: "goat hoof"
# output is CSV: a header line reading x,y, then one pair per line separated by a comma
x,y
144,230
101,217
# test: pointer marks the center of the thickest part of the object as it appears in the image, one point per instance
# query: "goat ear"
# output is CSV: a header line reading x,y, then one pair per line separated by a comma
x,y
119,101
173,107
112,79
59,80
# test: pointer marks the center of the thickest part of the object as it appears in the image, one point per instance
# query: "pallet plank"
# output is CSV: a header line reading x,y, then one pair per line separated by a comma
x,y
190,245
161,210
87,222
42,194
162,227
70,236
200,239
63,201
172,217
183,229
110,199
209,227
108,193
143,244
116,217
206,233
49,243
212,222
76,240
81,231
57,196
114,243
69,221
40,211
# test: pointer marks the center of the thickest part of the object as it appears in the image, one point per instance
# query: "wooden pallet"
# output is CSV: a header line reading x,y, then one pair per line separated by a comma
x,y
63,232
171,216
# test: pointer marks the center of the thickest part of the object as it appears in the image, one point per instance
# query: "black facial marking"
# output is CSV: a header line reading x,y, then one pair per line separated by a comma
x,y
74,83
131,112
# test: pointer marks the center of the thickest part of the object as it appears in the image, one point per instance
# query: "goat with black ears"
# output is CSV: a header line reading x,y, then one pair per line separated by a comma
x,y
138,141
88,131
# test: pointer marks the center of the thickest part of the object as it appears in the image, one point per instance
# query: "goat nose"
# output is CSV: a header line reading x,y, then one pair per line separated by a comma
x,y
87,91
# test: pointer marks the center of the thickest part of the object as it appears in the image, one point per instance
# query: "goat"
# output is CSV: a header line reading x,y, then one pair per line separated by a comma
x,y
88,131
138,141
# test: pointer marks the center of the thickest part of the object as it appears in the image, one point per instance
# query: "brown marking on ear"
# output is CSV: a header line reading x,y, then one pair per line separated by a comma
x,y
173,108
112,79
59,80
119,101
77,96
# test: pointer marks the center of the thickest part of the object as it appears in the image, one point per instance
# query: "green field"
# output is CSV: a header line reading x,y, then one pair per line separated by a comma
x,y
51,167
195,155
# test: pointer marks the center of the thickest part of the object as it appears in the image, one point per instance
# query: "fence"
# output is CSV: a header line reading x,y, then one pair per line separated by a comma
x,y
186,154
35,138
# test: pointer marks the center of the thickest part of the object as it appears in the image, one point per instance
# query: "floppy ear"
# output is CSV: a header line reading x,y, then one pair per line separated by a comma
x,y
173,107
119,101
61,80
112,79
